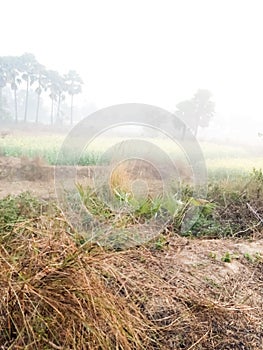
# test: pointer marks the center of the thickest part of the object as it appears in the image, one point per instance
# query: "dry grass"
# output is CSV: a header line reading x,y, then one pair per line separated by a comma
x,y
58,294
54,297
140,178
120,179
194,304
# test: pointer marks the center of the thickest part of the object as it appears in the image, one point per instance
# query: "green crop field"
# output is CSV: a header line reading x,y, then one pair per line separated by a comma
x,y
220,159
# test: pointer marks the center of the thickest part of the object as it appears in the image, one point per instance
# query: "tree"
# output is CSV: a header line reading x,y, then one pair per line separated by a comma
x,y
14,70
61,90
29,66
13,77
73,83
53,86
3,82
196,112
205,108
42,85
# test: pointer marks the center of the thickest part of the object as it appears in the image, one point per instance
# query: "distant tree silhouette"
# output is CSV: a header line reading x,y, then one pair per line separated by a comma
x,y
28,67
13,70
53,87
196,112
41,85
73,83
3,82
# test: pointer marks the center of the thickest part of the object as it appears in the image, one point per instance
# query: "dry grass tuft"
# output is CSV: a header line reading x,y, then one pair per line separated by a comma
x,y
120,180
53,296
137,178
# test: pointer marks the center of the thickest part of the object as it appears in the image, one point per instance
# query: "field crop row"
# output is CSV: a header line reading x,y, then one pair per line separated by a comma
x,y
220,159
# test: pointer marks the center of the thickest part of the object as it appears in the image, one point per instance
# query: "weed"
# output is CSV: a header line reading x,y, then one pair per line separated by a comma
x,y
224,213
14,209
227,257
258,257
248,257
213,255
161,242
255,258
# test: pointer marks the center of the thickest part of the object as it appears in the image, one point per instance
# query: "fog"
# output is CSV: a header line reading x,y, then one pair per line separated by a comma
x,y
151,52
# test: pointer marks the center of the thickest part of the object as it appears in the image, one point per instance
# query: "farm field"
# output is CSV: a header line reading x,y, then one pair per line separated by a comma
x,y
233,157
222,162
199,288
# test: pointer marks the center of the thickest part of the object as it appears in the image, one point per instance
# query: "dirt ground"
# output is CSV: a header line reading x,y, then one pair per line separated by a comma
x,y
16,177
19,175
23,174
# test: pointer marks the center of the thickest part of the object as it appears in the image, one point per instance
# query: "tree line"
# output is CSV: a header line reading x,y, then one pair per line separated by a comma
x,y
25,70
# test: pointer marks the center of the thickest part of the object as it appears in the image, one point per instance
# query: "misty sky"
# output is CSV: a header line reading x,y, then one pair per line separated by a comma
x,y
155,52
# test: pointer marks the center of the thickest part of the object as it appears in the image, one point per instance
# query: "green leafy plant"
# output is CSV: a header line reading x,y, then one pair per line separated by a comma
x,y
227,257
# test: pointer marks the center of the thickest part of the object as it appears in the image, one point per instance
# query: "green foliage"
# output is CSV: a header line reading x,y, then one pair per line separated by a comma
x,y
48,148
206,223
248,257
227,257
253,258
122,209
257,179
223,214
94,203
19,208
161,242
147,207
257,175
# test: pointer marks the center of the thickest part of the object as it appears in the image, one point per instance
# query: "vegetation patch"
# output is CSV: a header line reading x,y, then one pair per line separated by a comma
x,y
60,292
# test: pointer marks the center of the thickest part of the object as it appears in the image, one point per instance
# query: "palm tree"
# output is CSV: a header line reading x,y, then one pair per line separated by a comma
x,y
29,66
53,78
61,89
73,83
3,82
13,77
42,85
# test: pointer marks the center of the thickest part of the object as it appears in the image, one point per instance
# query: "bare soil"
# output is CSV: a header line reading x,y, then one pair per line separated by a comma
x,y
18,175
36,176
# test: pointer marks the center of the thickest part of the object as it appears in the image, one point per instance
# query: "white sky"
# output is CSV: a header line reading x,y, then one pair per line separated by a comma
x,y
157,52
